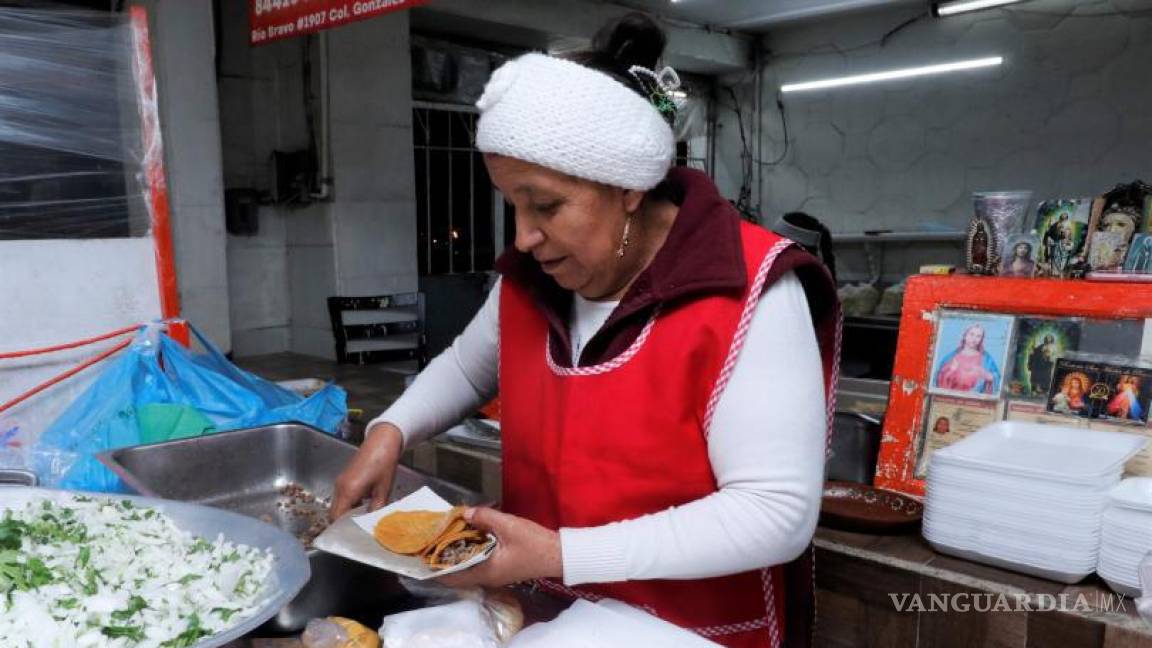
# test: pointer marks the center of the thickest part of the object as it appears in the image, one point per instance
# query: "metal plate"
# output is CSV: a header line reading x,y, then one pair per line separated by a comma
x,y
246,471
289,572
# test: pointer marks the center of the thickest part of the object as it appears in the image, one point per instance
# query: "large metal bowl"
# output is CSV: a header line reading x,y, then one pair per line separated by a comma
x,y
290,571
246,471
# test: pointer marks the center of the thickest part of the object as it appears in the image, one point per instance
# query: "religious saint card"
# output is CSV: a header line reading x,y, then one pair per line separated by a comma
x,y
948,420
1078,388
1062,227
1130,393
971,354
1139,259
1038,344
1018,258
1110,234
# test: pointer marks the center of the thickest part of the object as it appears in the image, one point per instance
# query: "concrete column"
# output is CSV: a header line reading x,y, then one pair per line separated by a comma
x,y
183,50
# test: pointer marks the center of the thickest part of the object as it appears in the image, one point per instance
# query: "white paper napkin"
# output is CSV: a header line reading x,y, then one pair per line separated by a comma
x,y
351,537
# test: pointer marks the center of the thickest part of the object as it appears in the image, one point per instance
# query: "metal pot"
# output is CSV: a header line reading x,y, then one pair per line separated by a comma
x,y
854,449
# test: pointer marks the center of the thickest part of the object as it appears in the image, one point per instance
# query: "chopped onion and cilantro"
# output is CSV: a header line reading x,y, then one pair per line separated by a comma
x,y
95,572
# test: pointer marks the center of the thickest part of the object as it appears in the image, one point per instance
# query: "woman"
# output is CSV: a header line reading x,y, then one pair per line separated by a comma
x,y
969,368
663,392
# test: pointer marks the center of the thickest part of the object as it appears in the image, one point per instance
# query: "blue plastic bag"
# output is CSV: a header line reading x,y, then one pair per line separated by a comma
x,y
156,369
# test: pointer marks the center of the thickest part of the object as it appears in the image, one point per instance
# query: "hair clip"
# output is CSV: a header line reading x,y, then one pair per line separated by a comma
x,y
663,88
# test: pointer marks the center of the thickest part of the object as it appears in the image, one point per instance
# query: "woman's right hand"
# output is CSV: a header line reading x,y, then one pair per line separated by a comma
x,y
370,472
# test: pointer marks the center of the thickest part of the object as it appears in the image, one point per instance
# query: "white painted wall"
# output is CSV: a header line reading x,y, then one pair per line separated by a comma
x,y
362,242
261,110
374,214
56,291
183,47
59,291
1066,115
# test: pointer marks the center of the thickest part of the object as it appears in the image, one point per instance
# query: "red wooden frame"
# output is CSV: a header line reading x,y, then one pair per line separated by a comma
x,y
158,205
925,294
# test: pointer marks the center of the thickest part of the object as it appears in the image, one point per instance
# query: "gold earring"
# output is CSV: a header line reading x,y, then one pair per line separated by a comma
x,y
624,242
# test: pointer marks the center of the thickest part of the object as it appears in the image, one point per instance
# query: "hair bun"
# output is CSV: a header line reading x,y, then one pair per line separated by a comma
x,y
635,39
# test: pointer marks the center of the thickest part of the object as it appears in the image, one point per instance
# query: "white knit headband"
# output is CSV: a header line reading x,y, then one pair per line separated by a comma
x,y
576,120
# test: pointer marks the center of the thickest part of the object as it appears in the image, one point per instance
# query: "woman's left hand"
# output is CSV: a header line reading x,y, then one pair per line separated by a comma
x,y
524,551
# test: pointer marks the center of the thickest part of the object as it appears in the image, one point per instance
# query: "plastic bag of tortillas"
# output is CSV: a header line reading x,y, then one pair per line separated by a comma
x,y
478,620
1144,603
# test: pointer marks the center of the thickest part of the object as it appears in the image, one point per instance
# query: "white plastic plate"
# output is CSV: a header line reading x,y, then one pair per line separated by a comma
x,y
1073,455
1134,493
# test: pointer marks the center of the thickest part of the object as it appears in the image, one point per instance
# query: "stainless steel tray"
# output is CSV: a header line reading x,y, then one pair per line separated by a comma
x,y
246,471
290,573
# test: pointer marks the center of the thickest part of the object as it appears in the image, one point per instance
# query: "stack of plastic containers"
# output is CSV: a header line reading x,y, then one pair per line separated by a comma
x,y
1126,535
1026,497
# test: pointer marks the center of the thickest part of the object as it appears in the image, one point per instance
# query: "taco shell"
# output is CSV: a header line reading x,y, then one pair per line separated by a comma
x,y
411,532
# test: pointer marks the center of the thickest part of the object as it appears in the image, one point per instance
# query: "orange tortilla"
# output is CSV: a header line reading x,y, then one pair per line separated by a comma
x,y
411,532
473,538
453,529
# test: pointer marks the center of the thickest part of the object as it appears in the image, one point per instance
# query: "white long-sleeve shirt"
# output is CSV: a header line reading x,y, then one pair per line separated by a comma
x,y
766,447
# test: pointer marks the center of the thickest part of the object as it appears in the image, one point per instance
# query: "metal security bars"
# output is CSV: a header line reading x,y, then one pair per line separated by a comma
x,y
456,205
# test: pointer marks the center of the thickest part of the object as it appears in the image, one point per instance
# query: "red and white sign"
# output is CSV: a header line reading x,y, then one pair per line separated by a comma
x,y
276,19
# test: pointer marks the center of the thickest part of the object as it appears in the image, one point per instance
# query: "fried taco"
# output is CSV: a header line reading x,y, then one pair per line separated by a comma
x,y
440,538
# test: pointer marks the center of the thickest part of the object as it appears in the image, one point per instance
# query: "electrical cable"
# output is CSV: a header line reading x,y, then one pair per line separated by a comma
x,y
744,199
902,26
69,345
882,41
64,376
784,125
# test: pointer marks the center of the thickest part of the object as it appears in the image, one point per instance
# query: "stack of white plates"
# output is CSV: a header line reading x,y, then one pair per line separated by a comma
x,y
1126,537
1026,496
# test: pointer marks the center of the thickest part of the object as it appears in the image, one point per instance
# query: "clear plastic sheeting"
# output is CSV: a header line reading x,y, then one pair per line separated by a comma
x,y
70,130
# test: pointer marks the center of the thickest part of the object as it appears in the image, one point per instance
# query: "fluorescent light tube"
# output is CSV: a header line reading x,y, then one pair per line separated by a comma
x,y
961,6
903,73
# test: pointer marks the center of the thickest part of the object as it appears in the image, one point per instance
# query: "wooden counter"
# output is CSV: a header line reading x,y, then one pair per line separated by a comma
x,y
858,574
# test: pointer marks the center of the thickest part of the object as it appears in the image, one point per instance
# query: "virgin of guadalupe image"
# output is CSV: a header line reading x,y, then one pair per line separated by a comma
x,y
969,368
1126,403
